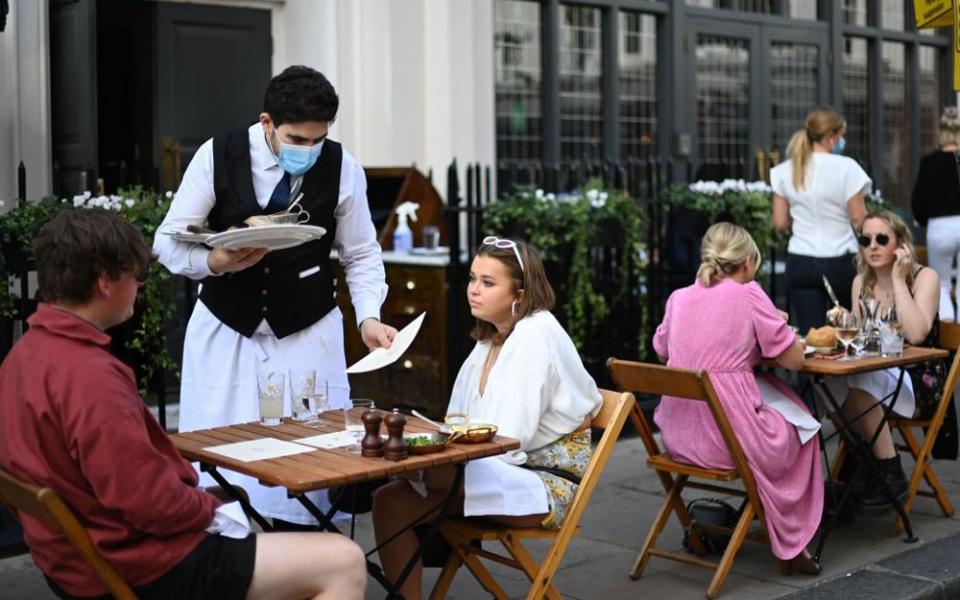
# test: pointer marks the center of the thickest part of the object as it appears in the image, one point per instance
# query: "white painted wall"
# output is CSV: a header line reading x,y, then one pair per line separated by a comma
x,y
415,79
25,101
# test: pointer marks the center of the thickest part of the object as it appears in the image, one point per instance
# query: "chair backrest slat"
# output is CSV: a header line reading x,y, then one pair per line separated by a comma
x,y
949,336
657,379
46,506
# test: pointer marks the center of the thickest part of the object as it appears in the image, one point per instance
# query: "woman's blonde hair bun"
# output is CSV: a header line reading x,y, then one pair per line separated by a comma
x,y
724,249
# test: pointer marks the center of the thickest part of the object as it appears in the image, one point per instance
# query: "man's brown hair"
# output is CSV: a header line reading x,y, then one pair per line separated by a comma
x,y
531,278
79,244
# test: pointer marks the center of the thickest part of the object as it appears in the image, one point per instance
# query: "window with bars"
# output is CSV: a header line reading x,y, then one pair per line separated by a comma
x,y
519,77
856,98
581,70
929,91
638,84
895,169
892,15
855,12
797,9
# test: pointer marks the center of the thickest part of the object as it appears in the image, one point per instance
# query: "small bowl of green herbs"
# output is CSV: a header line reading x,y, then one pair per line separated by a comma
x,y
423,443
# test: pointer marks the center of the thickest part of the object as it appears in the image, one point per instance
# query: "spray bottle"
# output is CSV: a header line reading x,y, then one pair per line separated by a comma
x,y
402,236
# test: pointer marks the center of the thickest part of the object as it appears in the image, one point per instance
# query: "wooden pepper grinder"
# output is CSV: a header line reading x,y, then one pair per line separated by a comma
x,y
396,448
372,444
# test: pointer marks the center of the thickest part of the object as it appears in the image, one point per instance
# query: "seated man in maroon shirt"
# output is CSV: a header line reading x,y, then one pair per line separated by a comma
x,y
71,420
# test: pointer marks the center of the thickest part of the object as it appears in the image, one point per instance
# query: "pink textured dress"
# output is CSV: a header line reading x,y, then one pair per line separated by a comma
x,y
725,329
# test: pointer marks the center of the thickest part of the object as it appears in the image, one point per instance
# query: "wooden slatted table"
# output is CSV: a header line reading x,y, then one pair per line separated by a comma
x,y
323,468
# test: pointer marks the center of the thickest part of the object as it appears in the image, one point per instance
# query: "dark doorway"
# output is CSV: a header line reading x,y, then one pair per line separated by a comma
x,y
138,86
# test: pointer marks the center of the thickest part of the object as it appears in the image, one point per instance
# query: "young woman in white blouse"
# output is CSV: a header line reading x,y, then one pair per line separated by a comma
x,y
818,195
525,376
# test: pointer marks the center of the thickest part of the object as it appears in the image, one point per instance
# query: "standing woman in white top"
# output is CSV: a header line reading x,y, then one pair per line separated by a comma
x,y
525,376
819,195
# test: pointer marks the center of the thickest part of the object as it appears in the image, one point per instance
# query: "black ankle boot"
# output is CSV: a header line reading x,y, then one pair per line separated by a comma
x,y
890,479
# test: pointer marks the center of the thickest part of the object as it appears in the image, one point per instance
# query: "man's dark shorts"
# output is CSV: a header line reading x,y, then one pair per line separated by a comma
x,y
218,568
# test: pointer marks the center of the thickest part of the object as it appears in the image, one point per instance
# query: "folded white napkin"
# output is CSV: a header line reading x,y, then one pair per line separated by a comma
x,y
230,521
806,425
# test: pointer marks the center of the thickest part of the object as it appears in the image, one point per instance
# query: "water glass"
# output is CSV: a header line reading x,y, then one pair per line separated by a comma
x,y
270,396
353,416
891,340
303,383
321,396
431,237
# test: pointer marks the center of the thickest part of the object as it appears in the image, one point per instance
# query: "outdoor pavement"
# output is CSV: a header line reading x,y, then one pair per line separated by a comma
x,y
860,561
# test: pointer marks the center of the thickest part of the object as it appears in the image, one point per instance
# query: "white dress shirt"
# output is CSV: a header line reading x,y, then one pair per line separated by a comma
x,y
821,223
355,240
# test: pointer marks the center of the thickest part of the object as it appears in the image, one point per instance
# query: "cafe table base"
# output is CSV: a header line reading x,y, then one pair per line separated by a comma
x,y
865,450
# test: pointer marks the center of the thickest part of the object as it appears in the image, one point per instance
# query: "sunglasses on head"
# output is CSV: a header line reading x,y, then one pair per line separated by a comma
x,y
882,239
492,240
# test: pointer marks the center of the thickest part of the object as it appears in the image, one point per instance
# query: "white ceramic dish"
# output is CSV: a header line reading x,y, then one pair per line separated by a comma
x,y
274,237
192,238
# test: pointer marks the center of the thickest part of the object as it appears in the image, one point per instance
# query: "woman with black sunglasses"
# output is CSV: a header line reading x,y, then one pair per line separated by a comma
x,y
889,274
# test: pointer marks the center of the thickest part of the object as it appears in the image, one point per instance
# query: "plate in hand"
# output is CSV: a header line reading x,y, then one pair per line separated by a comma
x,y
273,237
193,238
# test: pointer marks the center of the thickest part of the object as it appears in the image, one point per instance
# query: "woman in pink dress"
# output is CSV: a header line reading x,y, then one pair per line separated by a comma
x,y
724,324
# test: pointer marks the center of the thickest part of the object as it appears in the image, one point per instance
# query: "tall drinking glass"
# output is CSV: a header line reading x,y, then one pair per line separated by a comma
x,y
303,383
848,327
270,396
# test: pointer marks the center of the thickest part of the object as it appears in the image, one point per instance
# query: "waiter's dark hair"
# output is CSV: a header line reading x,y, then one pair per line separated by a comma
x,y
79,244
300,94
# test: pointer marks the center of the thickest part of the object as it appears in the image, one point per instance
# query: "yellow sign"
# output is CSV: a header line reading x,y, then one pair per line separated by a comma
x,y
933,13
956,47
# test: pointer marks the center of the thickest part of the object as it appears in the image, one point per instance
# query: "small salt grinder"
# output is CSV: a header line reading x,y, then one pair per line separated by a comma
x,y
396,448
372,444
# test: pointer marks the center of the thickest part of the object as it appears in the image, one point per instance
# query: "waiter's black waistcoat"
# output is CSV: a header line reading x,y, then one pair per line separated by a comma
x,y
281,288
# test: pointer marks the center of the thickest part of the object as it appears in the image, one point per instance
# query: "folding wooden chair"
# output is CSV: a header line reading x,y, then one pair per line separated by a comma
x,y
949,340
675,476
46,506
462,533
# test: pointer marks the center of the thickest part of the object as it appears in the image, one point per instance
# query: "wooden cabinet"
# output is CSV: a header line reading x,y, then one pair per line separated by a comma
x,y
420,379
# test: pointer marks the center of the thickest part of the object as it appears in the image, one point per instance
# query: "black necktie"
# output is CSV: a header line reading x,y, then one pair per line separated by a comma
x,y
280,199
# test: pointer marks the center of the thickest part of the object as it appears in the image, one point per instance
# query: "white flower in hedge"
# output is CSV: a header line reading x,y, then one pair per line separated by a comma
x,y
129,202
550,197
169,194
538,194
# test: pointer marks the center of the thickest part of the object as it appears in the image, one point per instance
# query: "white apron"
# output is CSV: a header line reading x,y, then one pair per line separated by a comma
x,y
219,387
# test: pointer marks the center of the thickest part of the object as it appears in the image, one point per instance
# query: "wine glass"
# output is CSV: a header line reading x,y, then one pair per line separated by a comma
x,y
848,327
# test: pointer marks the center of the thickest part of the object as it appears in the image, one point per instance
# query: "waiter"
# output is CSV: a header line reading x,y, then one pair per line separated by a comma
x,y
273,311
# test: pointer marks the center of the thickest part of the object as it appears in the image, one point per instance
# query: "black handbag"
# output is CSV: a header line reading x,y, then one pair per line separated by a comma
x,y
711,511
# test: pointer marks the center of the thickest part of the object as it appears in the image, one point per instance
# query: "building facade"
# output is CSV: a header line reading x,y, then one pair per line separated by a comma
x,y
719,83
723,83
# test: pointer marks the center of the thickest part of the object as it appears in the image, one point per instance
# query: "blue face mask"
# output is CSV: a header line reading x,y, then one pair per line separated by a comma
x,y
297,160
839,146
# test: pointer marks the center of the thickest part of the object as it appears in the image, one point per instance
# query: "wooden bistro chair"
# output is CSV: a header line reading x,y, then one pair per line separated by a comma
x,y
676,476
462,533
46,506
949,340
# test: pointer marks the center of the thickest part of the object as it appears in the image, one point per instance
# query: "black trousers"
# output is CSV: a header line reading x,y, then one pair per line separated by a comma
x,y
809,301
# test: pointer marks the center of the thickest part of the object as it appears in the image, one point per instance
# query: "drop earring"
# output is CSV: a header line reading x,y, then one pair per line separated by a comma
x,y
513,309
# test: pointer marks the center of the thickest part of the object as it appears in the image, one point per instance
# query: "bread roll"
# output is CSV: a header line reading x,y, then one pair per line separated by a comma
x,y
824,337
